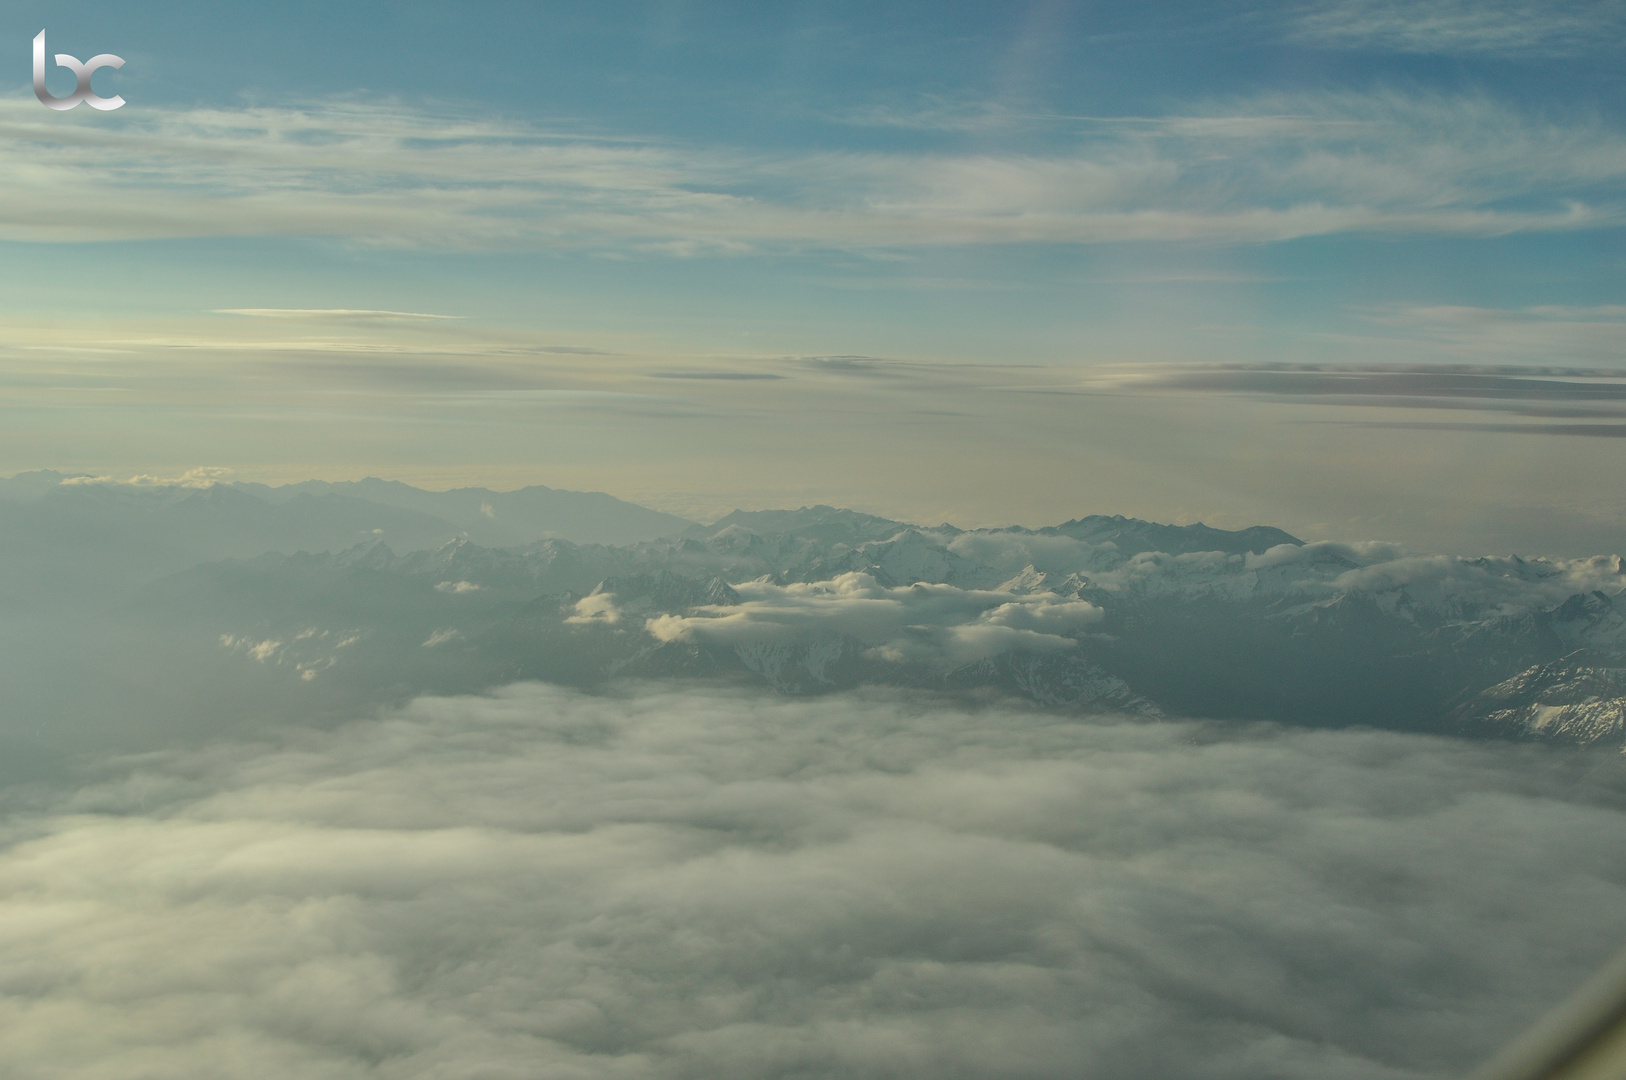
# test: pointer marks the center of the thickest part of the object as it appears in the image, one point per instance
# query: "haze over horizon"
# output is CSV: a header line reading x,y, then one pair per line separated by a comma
x,y
1339,267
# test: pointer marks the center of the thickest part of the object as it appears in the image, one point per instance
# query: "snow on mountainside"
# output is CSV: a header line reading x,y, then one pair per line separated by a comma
x,y
1571,699
1082,616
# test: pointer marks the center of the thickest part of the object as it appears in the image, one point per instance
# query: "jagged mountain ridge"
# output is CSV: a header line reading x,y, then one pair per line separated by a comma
x,y
63,536
502,518
1301,633
1132,536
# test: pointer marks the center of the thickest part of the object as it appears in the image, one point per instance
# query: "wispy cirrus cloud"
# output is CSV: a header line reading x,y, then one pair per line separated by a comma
x,y
1461,27
1255,170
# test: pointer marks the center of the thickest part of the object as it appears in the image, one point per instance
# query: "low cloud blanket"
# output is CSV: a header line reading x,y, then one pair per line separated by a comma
x,y
662,883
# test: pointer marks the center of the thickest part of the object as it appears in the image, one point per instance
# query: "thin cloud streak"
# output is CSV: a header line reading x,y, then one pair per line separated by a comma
x,y
330,314
1591,431
1554,393
1421,381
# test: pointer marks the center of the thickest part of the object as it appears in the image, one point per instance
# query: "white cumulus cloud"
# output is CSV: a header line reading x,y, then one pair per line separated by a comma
x,y
925,621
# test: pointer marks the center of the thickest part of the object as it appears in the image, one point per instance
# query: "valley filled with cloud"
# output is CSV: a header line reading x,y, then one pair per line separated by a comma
x,y
692,882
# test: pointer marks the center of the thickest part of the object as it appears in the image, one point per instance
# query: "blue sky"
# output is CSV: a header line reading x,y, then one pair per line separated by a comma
x,y
651,226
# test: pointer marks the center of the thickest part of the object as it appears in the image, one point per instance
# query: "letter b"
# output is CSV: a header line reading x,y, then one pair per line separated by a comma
x,y
82,72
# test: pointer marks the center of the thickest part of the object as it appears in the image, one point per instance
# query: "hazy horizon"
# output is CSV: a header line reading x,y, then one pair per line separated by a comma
x,y
1333,267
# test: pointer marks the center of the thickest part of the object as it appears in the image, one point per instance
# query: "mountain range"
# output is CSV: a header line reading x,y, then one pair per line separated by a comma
x,y
318,598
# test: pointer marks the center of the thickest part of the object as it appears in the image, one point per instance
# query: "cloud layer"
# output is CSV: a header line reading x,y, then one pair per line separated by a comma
x,y
665,884
1568,395
1268,168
